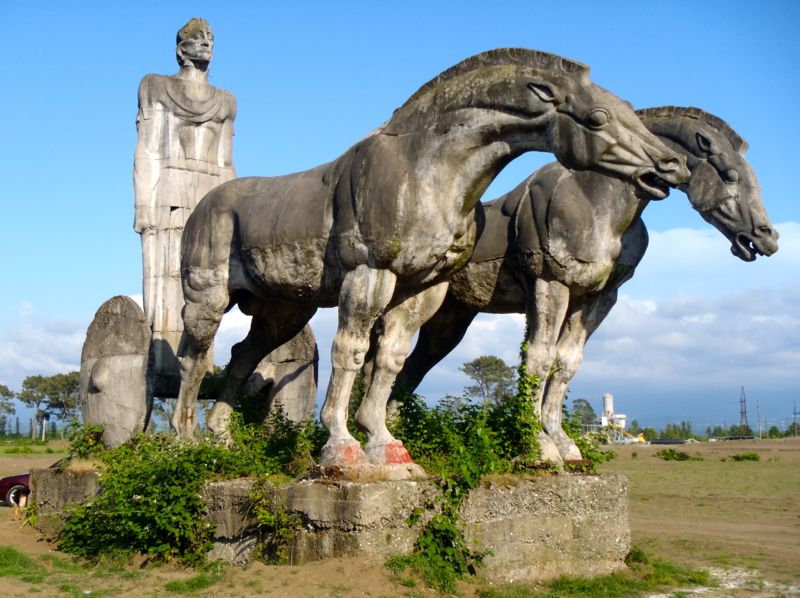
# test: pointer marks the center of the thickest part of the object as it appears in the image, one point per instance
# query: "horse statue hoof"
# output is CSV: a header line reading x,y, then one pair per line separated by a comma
x,y
388,453
346,455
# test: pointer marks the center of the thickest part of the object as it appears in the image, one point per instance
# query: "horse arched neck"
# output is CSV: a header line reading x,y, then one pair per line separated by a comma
x,y
494,83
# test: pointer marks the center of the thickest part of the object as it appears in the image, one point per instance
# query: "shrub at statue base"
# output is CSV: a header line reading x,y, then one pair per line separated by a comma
x,y
151,498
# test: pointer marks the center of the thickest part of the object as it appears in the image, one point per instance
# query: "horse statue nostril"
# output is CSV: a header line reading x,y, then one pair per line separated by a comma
x,y
675,167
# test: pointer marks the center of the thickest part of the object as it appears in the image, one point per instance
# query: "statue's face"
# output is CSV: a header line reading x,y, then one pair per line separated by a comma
x,y
198,46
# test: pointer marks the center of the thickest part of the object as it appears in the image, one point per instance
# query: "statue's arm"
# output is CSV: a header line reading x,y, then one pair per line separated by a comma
x,y
225,158
149,124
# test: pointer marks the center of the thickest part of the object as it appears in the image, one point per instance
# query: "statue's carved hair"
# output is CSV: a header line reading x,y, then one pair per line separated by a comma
x,y
502,56
739,144
193,25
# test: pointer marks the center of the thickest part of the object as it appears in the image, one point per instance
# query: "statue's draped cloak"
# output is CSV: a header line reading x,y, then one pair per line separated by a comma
x,y
175,95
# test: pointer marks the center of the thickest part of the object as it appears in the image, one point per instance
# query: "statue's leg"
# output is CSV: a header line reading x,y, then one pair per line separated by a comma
x,y
400,324
546,310
149,258
583,320
437,338
364,296
270,328
202,314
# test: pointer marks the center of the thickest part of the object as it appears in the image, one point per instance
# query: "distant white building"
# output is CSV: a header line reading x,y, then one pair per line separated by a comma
x,y
609,418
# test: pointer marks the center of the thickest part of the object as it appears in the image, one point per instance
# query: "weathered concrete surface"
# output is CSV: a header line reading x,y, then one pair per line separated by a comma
x,y
113,388
52,490
536,529
287,377
546,527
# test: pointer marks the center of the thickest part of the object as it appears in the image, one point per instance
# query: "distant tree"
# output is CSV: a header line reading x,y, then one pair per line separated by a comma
x,y
56,395
775,432
494,379
161,415
635,428
583,413
793,429
452,403
738,430
716,432
6,407
34,394
681,430
6,400
64,393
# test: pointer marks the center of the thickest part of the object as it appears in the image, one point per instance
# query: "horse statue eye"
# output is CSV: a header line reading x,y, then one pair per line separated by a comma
x,y
731,175
598,119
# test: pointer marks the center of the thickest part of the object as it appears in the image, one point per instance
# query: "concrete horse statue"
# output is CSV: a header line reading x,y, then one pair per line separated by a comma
x,y
379,230
559,245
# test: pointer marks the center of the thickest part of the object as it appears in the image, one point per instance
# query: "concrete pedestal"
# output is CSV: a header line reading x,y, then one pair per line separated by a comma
x,y
536,529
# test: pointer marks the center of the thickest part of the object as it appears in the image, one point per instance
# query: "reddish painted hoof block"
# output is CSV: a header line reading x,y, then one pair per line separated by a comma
x,y
346,456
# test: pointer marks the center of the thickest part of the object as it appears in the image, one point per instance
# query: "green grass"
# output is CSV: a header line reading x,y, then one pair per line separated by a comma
x,y
645,574
205,579
15,564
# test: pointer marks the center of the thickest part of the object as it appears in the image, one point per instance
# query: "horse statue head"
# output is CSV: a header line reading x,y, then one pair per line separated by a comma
x,y
527,90
723,187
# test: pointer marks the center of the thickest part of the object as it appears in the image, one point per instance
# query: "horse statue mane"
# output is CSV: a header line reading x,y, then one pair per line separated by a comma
x,y
739,144
500,56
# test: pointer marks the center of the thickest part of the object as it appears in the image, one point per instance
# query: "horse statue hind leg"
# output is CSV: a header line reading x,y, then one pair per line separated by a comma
x,y
272,325
205,290
584,316
437,338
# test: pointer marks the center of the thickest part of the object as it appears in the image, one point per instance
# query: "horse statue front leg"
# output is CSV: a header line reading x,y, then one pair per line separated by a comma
x,y
399,326
546,310
364,295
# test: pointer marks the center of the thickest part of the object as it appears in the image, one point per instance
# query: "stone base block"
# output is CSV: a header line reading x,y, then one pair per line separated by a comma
x,y
546,527
536,529
53,490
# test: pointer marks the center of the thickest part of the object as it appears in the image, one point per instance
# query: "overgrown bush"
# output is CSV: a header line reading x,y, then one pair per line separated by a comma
x,y
151,499
745,457
86,441
460,444
673,455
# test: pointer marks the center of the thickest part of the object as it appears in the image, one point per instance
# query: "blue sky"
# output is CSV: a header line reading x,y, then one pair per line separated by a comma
x,y
312,78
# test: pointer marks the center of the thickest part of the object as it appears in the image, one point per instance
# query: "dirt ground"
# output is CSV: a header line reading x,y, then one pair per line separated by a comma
x,y
740,518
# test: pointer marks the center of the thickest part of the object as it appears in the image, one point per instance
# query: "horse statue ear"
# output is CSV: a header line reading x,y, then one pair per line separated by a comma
x,y
705,144
544,93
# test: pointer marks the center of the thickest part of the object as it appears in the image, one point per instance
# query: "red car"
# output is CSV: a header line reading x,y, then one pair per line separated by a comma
x,y
14,486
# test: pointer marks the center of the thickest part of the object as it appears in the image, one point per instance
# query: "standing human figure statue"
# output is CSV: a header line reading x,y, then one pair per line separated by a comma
x,y
184,150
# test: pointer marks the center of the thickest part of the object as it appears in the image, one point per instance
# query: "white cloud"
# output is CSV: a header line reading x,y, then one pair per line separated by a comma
x,y
39,345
